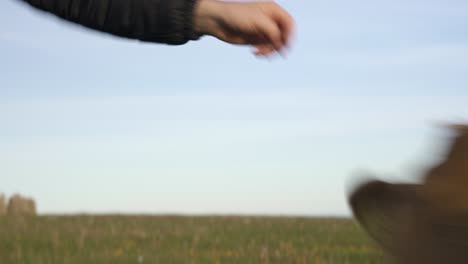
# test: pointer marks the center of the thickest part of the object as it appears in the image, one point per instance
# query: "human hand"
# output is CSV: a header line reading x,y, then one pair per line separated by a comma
x,y
262,24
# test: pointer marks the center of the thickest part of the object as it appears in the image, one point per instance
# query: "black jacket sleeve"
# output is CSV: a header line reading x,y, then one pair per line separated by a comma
x,y
162,21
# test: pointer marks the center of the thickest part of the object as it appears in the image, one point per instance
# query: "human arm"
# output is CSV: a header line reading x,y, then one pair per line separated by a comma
x,y
160,21
262,24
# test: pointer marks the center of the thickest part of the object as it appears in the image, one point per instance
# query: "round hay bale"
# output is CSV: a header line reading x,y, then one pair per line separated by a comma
x,y
21,206
3,209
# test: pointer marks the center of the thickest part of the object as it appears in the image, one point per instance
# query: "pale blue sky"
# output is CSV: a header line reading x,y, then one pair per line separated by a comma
x,y
92,123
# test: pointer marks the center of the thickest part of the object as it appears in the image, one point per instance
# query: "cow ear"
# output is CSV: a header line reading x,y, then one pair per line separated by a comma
x,y
385,211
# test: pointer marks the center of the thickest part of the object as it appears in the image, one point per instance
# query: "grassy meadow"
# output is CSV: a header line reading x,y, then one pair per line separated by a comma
x,y
176,239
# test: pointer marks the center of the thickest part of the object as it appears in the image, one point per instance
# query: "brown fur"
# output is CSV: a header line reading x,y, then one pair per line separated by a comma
x,y
421,223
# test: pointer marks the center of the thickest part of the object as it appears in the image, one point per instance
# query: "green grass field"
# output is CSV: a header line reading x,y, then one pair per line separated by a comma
x,y
171,239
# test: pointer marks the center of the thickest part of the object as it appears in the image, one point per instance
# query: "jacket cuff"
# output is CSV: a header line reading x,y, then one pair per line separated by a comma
x,y
179,27
189,29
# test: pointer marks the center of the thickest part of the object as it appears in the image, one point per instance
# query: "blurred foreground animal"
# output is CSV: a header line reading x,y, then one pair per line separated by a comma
x,y
424,223
21,206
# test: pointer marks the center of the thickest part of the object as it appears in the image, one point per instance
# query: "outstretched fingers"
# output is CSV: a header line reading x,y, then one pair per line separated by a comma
x,y
277,29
